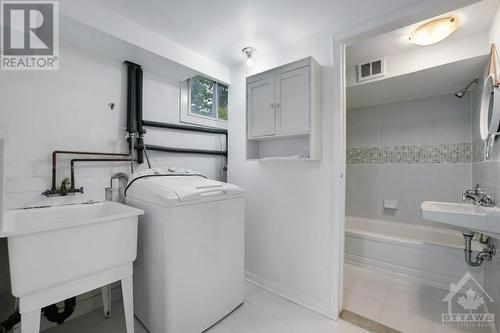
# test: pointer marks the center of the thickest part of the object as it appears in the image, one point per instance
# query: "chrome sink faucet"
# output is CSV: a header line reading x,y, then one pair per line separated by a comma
x,y
479,197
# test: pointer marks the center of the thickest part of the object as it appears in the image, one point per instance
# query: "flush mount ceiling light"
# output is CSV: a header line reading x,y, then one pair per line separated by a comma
x,y
434,31
248,51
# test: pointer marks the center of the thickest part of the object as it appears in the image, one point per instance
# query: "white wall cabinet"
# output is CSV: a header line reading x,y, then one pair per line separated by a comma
x,y
284,112
262,119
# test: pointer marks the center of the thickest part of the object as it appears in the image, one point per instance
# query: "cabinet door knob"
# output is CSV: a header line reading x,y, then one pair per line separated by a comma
x,y
277,105
271,105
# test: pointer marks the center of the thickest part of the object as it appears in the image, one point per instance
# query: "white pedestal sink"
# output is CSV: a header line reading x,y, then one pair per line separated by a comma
x,y
59,252
464,217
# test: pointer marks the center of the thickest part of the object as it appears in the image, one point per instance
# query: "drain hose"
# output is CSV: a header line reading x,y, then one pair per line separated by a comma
x,y
55,315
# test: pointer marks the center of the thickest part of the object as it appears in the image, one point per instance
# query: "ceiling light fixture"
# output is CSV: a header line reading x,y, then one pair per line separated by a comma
x,y
248,51
434,31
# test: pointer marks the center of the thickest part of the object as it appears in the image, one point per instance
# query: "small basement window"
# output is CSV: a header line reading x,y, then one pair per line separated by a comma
x,y
207,102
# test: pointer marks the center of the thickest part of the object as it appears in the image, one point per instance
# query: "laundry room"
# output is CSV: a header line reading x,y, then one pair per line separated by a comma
x,y
245,166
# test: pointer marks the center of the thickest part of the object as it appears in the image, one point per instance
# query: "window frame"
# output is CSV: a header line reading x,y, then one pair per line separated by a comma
x,y
193,118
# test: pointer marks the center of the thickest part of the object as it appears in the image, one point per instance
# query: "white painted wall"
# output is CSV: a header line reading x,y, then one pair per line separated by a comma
x,y
446,52
289,204
110,23
68,109
294,226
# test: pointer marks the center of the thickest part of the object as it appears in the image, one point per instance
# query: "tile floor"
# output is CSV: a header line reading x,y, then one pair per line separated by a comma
x,y
392,301
263,312
405,306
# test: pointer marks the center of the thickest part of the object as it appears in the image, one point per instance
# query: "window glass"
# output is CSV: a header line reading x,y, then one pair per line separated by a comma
x,y
202,93
208,98
222,97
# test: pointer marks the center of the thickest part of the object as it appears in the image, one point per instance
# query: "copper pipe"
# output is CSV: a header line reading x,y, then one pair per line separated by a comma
x,y
68,152
73,161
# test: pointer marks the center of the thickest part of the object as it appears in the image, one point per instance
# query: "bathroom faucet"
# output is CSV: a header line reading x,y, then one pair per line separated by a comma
x,y
478,197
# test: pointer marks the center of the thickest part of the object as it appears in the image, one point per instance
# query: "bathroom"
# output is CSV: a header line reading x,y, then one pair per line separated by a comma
x,y
272,141
413,136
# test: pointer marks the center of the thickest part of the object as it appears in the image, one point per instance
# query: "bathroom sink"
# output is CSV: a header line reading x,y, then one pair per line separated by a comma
x,y
464,217
59,252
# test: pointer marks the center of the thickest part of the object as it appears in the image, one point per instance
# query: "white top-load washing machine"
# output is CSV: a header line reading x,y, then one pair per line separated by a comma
x,y
189,269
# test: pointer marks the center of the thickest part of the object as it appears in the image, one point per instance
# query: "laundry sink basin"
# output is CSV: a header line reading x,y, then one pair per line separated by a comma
x,y
464,217
49,247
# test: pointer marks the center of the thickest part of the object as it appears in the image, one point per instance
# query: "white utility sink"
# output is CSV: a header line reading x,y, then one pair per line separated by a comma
x,y
464,217
59,252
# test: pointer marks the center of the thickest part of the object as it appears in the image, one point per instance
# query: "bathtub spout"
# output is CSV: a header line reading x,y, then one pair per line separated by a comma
x,y
486,254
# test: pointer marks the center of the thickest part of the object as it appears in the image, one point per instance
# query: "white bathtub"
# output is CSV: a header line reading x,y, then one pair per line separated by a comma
x,y
432,256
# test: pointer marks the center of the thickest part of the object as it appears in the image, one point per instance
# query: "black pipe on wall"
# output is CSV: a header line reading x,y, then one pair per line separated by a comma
x,y
138,116
131,102
134,108
138,99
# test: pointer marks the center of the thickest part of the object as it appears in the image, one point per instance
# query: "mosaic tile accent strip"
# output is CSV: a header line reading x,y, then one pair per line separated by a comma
x,y
478,151
417,154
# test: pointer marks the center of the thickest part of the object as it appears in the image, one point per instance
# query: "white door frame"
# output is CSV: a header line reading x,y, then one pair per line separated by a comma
x,y
386,23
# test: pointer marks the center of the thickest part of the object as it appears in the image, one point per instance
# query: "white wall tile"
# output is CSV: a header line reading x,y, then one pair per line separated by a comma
x,y
426,121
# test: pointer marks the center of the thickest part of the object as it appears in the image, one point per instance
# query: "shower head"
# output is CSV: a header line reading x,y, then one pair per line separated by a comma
x,y
461,93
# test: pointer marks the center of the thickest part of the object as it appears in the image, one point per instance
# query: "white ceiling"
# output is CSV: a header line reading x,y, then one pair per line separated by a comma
x,y
219,29
473,19
434,81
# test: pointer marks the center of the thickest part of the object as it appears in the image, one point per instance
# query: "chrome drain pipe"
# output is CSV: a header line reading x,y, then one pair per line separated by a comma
x,y
486,254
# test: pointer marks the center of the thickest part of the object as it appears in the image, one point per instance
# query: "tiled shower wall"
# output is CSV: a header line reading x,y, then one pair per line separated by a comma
x,y
409,151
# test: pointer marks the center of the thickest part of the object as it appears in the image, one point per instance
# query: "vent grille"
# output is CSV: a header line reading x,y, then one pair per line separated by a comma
x,y
371,70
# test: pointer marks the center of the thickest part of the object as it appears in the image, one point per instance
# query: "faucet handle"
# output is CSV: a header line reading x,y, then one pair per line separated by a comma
x,y
65,183
487,201
478,189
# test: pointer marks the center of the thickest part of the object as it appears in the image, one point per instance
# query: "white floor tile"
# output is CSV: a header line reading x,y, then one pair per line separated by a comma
x,y
406,321
410,296
363,305
219,328
368,283
439,307
340,326
263,312
250,288
250,319
268,301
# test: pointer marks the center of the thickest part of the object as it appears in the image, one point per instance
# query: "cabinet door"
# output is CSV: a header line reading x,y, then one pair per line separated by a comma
x,y
293,101
260,109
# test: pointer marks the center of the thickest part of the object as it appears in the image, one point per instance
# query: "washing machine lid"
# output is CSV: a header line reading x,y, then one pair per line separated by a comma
x,y
176,188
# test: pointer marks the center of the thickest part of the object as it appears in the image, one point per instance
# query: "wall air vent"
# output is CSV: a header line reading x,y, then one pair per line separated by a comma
x,y
371,69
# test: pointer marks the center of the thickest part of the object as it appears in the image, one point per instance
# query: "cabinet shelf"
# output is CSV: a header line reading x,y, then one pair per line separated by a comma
x,y
275,137
284,112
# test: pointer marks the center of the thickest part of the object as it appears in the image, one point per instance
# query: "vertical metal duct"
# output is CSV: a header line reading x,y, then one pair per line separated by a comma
x,y
138,116
131,102
134,110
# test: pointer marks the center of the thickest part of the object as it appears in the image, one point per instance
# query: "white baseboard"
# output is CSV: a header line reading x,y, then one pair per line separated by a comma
x,y
308,302
425,278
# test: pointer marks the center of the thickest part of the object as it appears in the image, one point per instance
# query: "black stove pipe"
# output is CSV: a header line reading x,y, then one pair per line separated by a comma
x,y
138,116
138,98
134,109
131,101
